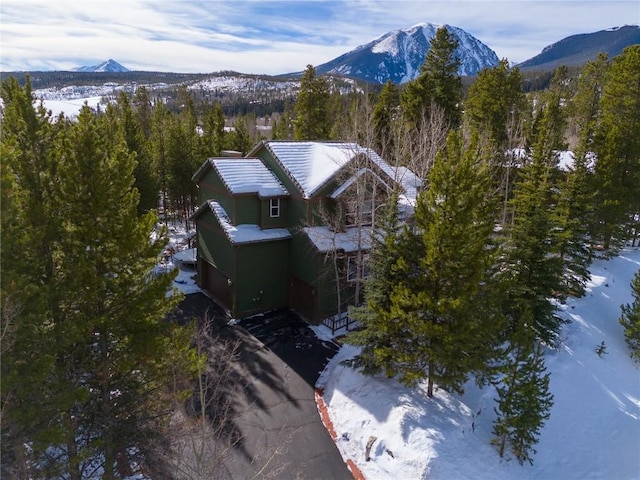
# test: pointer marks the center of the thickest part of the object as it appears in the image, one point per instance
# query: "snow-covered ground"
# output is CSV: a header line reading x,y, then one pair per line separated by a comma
x,y
71,108
593,431
178,255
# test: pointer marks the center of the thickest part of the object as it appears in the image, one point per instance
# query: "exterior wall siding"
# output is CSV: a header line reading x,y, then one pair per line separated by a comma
x,y
213,245
211,186
262,277
246,209
267,221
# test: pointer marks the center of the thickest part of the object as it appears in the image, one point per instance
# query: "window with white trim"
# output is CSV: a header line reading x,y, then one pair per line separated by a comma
x,y
274,207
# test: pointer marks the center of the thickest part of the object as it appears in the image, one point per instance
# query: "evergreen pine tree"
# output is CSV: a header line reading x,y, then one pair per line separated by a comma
x,y
30,226
617,146
182,149
438,84
630,319
495,103
239,139
380,332
385,113
524,402
213,134
534,266
283,129
90,349
160,133
112,334
311,120
444,274
145,173
144,110
577,193
495,110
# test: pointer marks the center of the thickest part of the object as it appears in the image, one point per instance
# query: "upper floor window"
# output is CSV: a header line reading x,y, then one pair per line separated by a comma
x,y
359,213
274,207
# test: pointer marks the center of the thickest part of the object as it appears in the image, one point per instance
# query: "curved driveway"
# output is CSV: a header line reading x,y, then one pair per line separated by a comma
x,y
276,426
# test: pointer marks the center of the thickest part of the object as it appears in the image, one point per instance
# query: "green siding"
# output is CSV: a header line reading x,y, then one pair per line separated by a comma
x,y
213,245
211,186
261,272
297,213
246,209
302,258
262,281
267,220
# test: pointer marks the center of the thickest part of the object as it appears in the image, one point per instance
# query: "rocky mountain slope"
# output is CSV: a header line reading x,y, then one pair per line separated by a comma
x,y
108,66
398,55
579,49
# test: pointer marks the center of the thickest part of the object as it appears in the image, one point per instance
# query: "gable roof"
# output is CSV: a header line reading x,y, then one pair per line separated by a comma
x,y
351,180
244,175
244,233
311,165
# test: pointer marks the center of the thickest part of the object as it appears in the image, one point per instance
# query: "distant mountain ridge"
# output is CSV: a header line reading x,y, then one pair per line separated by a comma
x,y
108,66
579,49
398,55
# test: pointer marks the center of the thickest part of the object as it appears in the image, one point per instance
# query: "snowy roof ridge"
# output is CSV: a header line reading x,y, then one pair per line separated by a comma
x,y
285,169
245,233
351,180
248,175
312,164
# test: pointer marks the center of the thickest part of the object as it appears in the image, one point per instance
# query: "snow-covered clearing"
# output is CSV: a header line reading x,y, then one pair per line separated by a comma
x,y
71,107
593,432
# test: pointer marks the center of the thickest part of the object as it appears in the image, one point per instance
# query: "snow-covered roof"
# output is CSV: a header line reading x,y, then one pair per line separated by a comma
x,y
351,180
244,233
248,175
245,175
326,240
312,164
411,184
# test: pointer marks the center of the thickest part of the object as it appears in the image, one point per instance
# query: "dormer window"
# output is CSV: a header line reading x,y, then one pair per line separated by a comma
x,y
274,207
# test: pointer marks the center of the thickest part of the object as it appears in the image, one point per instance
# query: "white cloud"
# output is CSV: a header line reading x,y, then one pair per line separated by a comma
x,y
271,36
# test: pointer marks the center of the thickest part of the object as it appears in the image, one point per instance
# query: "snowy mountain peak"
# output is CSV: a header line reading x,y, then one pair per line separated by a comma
x,y
108,66
398,55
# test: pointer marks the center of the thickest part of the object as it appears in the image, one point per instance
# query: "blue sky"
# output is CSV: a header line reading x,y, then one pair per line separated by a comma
x,y
271,37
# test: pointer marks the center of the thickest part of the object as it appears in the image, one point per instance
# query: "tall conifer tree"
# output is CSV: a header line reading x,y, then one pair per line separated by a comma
x,y
385,113
381,332
91,345
630,319
311,120
617,145
213,135
145,172
495,103
524,401
443,274
438,84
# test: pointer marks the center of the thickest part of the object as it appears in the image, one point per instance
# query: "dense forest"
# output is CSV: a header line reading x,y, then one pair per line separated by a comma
x,y
92,369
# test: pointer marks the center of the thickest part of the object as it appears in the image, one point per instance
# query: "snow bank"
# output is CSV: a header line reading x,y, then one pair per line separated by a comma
x,y
593,432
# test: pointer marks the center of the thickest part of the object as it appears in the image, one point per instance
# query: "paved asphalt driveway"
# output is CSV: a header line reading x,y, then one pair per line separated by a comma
x,y
275,424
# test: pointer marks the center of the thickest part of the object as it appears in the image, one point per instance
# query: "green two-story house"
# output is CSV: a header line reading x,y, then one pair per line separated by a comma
x,y
289,225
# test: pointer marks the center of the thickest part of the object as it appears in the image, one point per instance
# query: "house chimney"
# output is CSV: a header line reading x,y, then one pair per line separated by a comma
x,y
231,153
